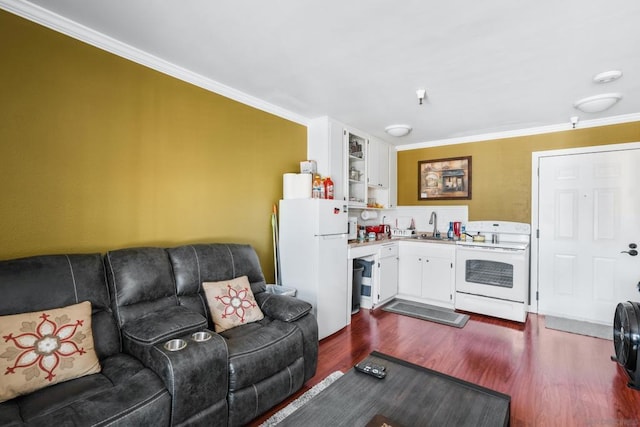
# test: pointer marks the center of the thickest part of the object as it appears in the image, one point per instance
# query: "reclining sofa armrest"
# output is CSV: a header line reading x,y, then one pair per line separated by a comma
x,y
195,372
282,307
160,326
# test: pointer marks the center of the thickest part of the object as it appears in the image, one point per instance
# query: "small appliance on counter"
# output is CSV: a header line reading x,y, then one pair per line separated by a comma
x,y
352,233
380,231
398,232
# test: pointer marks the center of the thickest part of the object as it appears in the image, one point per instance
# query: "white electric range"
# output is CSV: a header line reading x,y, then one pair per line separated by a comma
x,y
492,277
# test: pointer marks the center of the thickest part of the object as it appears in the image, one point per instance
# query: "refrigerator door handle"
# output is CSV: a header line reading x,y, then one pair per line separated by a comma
x,y
332,236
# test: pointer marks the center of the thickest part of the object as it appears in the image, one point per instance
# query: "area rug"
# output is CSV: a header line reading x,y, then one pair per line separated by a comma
x,y
577,327
306,397
409,395
427,312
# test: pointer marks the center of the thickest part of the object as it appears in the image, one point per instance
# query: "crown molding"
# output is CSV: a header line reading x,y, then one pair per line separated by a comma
x,y
80,32
614,120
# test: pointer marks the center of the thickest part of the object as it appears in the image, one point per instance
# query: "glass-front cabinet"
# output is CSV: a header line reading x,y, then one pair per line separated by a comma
x,y
362,167
356,174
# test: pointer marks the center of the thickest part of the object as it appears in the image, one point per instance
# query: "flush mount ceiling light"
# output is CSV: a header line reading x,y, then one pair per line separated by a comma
x,y
607,76
597,103
398,130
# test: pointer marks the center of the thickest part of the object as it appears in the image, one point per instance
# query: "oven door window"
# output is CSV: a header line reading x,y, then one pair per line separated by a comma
x,y
493,273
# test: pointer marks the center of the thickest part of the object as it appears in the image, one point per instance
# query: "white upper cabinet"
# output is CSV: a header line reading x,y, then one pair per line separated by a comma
x,y
357,154
378,163
393,177
363,169
325,146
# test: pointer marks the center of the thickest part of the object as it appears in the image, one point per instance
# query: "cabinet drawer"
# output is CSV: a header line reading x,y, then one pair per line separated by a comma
x,y
388,250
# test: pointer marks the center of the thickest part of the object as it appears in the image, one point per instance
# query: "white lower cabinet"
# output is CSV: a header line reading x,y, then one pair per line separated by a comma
x,y
387,272
427,273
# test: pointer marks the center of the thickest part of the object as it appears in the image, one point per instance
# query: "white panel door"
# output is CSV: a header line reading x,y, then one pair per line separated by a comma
x,y
588,214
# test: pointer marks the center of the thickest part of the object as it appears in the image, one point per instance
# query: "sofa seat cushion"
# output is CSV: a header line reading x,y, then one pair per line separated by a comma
x,y
159,326
259,350
124,391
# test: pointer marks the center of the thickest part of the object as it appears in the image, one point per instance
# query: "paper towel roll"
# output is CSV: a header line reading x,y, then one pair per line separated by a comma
x,y
288,185
368,215
303,185
296,186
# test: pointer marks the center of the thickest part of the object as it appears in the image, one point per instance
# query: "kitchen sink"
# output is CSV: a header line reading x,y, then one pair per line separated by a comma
x,y
427,237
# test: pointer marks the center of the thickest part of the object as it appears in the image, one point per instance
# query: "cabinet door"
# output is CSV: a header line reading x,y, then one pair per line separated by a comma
x,y
388,277
393,177
378,164
356,168
383,164
373,166
410,274
325,146
437,277
337,160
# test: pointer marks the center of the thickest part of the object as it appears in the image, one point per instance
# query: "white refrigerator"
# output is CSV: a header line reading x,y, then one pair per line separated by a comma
x,y
313,258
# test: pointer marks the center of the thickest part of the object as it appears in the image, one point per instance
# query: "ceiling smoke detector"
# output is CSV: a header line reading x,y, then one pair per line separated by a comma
x,y
398,130
421,93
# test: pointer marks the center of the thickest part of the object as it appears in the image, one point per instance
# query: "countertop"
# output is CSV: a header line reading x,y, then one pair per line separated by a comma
x,y
417,237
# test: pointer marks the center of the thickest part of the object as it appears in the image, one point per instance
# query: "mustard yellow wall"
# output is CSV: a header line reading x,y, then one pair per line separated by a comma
x,y
501,169
97,153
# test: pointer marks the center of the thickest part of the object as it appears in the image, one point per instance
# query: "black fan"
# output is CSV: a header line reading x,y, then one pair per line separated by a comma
x,y
626,337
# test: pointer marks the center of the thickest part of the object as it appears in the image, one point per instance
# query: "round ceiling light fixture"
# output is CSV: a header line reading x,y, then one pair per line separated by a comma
x,y
607,76
597,103
398,130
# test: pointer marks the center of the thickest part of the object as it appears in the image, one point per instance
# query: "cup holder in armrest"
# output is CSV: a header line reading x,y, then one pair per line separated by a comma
x,y
175,344
201,336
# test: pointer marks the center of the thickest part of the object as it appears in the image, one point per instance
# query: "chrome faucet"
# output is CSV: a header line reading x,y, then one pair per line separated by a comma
x,y
433,219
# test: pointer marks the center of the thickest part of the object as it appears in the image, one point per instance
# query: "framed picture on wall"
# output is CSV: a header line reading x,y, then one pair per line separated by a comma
x,y
444,179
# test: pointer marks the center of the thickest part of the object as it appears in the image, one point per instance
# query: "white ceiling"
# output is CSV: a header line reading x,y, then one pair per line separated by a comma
x,y
487,66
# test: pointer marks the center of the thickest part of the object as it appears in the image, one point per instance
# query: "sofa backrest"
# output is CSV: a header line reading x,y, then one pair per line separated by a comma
x,y
140,281
195,264
54,281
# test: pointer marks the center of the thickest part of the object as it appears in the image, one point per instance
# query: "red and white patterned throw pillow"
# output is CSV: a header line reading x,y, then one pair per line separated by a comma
x,y
45,347
231,303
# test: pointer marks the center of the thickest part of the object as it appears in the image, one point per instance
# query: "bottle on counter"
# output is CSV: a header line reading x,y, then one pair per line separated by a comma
x,y
450,231
328,188
463,233
316,187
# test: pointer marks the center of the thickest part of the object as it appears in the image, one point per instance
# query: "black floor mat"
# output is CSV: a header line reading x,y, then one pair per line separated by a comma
x,y
427,312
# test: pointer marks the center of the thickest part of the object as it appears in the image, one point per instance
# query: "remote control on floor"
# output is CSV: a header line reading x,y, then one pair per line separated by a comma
x,y
372,369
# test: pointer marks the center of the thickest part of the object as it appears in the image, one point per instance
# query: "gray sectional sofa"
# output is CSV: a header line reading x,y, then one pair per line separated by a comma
x,y
140,299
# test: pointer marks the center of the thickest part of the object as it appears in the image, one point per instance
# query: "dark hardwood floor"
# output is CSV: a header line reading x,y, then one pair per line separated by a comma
x,y
554,378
